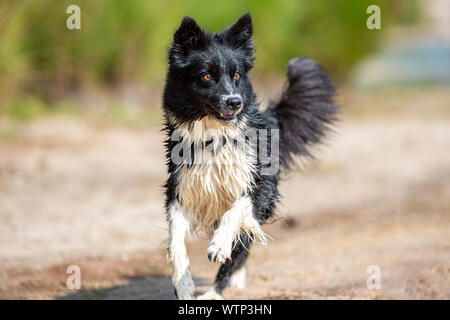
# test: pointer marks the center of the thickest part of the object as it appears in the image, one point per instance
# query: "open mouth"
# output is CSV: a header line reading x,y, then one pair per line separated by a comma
x,y
229,116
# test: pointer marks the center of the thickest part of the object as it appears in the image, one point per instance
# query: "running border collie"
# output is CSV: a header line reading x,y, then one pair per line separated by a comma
x,y
218,144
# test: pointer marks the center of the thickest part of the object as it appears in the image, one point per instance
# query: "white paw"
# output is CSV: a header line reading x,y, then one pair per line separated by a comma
x,y
210,295
237,280
184,288
219,252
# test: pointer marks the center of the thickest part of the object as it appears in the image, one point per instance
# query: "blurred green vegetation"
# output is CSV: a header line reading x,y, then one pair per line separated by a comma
x,y
41,61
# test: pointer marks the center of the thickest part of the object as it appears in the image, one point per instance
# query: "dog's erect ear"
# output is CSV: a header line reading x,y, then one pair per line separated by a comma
x,y
188,36
240,34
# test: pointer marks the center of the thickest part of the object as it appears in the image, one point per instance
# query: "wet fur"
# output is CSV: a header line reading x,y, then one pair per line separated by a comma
x,y
230,200
209,188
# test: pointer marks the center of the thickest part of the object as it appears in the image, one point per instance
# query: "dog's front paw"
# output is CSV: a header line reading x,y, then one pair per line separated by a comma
x,y
210,295
184,287
219,253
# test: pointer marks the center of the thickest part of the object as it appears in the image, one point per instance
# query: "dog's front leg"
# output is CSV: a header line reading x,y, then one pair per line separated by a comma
x,y
181,274
220,248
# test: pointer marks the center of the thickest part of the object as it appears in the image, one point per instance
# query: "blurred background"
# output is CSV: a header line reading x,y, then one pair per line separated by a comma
x,y
82,165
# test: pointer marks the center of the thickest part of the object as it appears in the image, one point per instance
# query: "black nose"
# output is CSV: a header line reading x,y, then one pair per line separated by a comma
x,y
234,103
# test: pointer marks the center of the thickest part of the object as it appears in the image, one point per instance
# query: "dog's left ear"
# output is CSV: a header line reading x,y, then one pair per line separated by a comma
x,y
240,34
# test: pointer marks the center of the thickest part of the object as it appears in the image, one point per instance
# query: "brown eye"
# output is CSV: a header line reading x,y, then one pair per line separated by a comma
x,y
237,76
206,77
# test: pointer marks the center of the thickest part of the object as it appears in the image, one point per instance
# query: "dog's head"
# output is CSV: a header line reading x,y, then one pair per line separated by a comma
x,y
208,73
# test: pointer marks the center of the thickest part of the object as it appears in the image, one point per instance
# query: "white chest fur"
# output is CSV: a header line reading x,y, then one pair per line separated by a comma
x,y
208,188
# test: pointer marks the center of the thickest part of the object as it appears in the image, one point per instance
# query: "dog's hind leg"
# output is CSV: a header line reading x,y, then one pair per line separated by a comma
x,y
233,271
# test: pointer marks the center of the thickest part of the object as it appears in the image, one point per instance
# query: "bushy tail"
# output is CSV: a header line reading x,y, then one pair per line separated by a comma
x,y
306,110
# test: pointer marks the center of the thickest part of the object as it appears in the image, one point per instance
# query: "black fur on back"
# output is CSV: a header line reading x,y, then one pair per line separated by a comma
x,y
305,111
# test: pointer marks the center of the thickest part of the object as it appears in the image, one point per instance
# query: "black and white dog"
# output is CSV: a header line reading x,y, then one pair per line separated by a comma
x,y
224,156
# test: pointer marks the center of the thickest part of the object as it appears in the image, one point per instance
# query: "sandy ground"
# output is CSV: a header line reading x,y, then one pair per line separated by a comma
x,y
72,193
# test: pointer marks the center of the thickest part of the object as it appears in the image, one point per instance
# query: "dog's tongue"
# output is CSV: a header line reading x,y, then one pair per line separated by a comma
x,y
228,116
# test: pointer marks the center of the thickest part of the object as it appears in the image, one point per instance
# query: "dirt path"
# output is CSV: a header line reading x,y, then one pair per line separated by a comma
x,y
72,194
